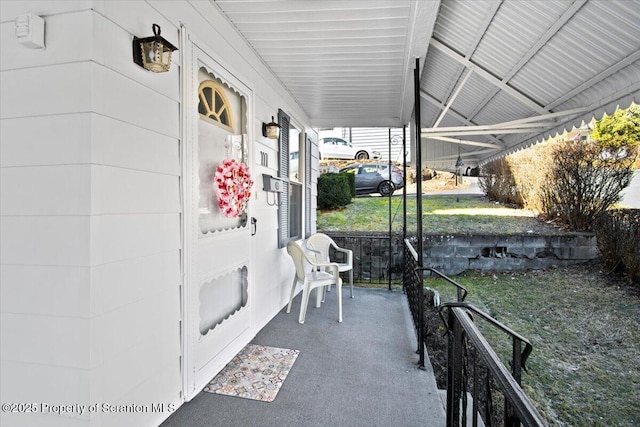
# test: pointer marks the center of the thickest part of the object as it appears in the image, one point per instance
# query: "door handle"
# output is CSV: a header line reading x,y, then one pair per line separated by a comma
x,y
254,226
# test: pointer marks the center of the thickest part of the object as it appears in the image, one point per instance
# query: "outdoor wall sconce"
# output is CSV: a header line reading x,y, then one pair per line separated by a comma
x,y
153,53
271,130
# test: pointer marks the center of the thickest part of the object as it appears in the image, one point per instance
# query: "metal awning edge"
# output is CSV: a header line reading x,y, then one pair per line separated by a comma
x,y
574,122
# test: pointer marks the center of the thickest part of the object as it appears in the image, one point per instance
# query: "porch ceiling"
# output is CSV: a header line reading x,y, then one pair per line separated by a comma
x,y
486,63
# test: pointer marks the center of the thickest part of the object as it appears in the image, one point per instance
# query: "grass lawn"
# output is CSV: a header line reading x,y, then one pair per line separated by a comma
x,y
441,214
585,330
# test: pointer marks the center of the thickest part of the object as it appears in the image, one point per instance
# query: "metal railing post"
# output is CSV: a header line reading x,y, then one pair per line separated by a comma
x,y
389,261
404,187
454,370
416,80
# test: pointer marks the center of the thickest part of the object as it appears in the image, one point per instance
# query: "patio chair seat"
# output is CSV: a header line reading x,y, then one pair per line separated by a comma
x,y
320,244
319,276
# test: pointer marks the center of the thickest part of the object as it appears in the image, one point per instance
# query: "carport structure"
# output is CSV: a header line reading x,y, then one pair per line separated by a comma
x,y
495,76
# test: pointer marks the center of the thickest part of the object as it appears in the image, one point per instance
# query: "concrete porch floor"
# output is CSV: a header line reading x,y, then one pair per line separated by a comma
x,y
361,372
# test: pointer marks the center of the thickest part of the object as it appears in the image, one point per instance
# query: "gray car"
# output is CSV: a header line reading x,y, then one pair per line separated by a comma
x,y
374,178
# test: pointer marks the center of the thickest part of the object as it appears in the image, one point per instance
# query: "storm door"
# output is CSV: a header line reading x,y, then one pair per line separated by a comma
x,y
217,235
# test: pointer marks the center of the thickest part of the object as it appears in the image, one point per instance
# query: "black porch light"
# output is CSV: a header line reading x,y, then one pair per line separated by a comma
x,y
271,130
153,53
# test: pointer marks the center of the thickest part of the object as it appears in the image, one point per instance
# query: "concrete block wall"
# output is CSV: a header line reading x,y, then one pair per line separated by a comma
x,y
453,254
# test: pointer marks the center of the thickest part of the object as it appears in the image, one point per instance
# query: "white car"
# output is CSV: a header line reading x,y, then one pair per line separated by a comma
x,y
338,148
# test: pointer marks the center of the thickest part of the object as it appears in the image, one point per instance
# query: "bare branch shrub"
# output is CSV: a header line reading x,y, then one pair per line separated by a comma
x,y
518,178
498,183
530,169
618,234
585,180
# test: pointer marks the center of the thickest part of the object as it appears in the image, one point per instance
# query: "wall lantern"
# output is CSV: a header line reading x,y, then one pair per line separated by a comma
x,y
271,130
153,53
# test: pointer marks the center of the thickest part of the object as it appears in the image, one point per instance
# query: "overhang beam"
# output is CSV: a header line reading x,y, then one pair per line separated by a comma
x,y
519,96
465,142
452,98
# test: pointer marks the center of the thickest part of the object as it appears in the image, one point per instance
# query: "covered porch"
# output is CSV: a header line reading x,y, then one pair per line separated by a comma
x,y
102,179
361,372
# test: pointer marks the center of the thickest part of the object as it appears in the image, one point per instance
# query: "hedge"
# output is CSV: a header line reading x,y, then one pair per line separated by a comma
x,y
335,190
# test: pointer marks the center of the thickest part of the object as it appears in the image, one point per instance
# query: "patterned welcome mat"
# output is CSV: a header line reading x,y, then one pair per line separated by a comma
x,y
257,372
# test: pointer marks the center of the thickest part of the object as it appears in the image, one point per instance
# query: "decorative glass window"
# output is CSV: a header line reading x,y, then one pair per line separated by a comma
x,y
214,104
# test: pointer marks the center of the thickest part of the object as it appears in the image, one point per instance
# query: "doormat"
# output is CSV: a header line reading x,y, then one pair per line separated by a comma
x,y
257,373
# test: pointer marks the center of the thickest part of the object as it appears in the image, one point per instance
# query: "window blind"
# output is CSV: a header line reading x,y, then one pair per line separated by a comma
x,y
283,174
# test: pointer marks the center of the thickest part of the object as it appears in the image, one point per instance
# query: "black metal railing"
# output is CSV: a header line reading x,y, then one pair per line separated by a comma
x,y
413,287
474,370
413,275
372,261
461,291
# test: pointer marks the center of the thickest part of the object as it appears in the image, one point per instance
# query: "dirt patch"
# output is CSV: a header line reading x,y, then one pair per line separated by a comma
x,y
435,340
440,182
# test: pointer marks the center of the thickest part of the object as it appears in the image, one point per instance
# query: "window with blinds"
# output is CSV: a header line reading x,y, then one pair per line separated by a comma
x,y
296,174
283,173
307,185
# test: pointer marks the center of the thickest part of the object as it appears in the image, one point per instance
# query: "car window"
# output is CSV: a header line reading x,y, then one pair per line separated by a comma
x,y
341,141
369,169
350,169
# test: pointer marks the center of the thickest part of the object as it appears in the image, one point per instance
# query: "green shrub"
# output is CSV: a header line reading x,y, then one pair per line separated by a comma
x,y
335,190
618,234
351,178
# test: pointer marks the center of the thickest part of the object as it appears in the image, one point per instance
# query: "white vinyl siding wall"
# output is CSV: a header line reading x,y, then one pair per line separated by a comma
x,y
377,139
91,206
90,218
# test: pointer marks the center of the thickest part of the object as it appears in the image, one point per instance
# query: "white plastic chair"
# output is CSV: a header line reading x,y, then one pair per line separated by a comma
x,y
320,275
321,243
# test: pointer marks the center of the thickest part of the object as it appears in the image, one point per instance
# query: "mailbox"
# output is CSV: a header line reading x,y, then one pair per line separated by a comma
x,y
270,183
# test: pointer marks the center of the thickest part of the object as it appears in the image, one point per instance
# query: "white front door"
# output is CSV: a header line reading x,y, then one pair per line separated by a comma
x,y
217,231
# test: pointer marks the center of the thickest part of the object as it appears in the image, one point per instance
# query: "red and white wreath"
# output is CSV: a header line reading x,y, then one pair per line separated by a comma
x,y
234,187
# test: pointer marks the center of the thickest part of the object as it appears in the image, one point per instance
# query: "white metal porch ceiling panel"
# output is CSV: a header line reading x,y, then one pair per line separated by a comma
x,y
341,60
350,63
440,75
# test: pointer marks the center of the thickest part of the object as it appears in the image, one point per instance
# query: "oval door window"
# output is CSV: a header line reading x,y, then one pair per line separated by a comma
x,y
214,104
